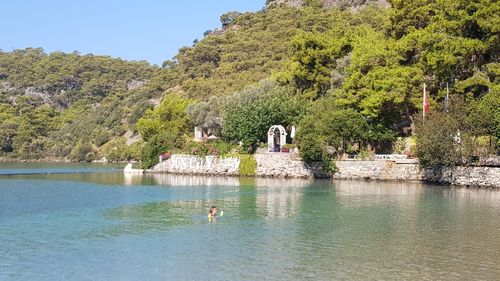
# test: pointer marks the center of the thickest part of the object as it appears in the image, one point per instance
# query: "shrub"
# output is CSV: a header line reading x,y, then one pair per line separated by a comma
x,y
248,165
83,152
153,148
312,148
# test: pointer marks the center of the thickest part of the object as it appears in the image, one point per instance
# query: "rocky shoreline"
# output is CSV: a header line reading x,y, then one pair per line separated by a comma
x,y
291,166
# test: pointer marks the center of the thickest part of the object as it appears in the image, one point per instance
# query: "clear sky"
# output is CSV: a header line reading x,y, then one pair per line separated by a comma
x,y
151,30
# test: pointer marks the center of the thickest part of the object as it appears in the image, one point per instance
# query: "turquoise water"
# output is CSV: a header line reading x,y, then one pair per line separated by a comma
x,y
97,224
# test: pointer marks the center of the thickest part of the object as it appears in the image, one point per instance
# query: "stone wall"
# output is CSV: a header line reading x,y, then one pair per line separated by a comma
x,y
276,165
289,165
377,170
286,165
193,165
465,176
392,170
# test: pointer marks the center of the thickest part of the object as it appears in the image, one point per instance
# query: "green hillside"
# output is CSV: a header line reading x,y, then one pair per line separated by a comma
x,y
349,76
53,105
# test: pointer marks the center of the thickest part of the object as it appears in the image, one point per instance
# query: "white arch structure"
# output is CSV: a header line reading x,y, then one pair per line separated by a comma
x,y
270,137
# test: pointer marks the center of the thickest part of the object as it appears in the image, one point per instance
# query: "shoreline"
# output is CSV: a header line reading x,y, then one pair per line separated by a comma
x,y
149,172
59,160
470,177
41,160
284,166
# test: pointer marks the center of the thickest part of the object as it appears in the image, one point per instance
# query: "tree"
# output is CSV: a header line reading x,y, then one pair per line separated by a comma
x,y
164,128
312,62
329,126
8,127
250,113
228,18
457,137
170,117
208,114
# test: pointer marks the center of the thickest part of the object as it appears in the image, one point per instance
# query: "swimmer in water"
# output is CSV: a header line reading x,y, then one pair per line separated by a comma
x,y
212,213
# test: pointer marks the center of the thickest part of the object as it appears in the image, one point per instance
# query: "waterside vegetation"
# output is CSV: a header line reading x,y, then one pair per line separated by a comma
x,y
349,79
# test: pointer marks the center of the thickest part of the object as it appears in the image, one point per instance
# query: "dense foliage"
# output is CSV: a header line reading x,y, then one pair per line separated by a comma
x,y
68,105
250,113
465,135
350,79
378,69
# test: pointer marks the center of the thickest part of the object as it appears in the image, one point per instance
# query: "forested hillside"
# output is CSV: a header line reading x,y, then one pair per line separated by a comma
x,y
349,74
68,105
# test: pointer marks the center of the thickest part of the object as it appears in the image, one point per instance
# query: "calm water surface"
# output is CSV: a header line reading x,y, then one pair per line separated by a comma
x,y
90,222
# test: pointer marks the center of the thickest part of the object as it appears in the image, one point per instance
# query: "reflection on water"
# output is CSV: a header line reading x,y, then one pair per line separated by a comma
x,y
183,180
273,182
366,188
478,196
110,226
279,198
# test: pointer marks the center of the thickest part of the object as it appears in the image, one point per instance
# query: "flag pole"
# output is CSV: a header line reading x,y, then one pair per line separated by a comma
x,y
446,105
424,103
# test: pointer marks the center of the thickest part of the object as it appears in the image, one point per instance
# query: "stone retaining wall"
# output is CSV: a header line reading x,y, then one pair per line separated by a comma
x,y
488,177
284,165
391,170
193,165
276,165
377,170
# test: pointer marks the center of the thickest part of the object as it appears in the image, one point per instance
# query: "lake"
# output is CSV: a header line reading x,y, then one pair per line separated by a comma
x,y
91,222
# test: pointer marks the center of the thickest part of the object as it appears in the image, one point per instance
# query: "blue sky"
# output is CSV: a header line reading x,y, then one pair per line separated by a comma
x,y
151,30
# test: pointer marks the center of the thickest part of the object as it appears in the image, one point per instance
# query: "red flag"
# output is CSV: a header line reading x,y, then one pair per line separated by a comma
x,y
425,102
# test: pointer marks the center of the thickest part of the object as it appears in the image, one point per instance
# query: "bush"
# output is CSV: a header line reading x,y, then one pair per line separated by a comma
x,y
311,148
212,148
150,153
436,141
330,167
248,165
117,150
83,152
224,148
155,147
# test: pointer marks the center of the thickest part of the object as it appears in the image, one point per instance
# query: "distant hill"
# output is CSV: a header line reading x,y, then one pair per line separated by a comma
x,y
52,103
84,107
361,56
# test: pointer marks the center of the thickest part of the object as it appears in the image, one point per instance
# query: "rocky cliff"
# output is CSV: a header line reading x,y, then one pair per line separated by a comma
x,y
342,4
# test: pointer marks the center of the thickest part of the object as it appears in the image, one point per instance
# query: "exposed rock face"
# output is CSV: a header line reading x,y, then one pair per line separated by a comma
x,y
291,3
354,4
42,95
135,84
5,87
